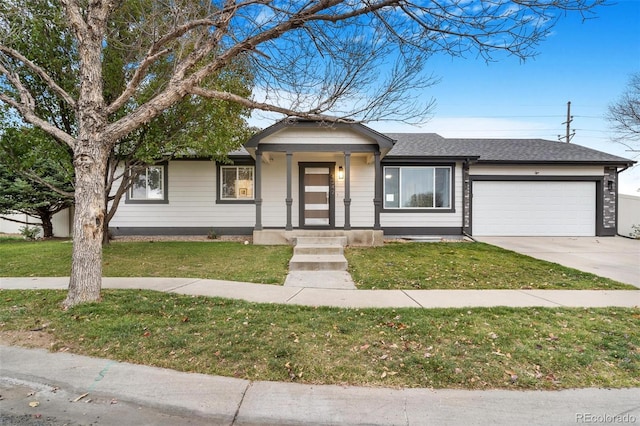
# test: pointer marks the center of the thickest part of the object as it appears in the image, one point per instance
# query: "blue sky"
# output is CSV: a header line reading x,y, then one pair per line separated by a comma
x,y
586,62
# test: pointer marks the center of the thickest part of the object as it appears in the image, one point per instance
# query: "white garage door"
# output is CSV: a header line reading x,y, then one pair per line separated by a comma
x,y
534,208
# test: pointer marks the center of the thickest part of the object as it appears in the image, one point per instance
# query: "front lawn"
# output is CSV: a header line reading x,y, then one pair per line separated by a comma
x,y
472,348
463,266
214,260
393,266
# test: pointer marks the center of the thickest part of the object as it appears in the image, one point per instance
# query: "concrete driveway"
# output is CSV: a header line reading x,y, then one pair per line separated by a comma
x,y
617,258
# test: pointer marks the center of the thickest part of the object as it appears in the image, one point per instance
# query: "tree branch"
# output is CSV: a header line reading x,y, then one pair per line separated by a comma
x,y
41,73
20,221
226,96
135,81
181,84
36,178
29,116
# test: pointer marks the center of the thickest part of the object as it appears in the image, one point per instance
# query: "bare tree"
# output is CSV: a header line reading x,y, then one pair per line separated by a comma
x,y
624,115
327,59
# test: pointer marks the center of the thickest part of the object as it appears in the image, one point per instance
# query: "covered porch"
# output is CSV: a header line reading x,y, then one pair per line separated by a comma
x,y
318,179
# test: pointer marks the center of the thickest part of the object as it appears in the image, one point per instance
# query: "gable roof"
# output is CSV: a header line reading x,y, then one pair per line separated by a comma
x,y
384,142
499,150
425,145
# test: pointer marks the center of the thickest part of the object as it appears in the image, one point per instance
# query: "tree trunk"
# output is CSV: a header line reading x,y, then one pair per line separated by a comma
x,y
90,154
110,173
106,238
86,266
47,225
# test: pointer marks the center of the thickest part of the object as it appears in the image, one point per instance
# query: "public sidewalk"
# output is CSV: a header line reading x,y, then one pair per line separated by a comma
x,y
264,293
214,400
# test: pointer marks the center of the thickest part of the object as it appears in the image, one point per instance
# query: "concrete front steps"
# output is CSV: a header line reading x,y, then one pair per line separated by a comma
x,y
319,254
319,262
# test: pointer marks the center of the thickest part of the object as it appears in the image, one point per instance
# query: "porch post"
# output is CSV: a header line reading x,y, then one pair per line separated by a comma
x,y
289,199
258,190
377,200
347,190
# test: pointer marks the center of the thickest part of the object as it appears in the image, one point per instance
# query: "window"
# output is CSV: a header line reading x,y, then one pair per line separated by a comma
x,y
236,183
417,187
150,186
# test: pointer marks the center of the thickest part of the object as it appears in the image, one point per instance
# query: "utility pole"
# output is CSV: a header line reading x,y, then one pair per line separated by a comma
x,y
569,135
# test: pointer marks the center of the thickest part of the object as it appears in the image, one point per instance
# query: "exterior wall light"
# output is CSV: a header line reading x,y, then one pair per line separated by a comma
x,y
340,173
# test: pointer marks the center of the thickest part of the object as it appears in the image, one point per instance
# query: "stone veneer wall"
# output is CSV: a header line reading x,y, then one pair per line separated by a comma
x,y
610,200
466,198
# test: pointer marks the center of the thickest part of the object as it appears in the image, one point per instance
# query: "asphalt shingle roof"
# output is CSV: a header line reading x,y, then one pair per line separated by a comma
x,y
498,150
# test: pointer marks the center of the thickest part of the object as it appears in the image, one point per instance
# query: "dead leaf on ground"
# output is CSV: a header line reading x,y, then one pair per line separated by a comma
x,y
80,397
512,375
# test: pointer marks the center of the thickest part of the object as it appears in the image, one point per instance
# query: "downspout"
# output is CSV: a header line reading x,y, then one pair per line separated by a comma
x,y
464,234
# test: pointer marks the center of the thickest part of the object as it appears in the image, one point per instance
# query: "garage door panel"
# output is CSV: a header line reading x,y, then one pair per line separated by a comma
x,y
533,208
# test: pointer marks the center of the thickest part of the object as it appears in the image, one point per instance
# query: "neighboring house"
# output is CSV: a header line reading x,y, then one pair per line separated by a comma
x,y
61,223
629,215
302,176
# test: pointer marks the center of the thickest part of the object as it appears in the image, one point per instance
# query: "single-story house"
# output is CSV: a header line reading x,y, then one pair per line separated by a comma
x,y
307,177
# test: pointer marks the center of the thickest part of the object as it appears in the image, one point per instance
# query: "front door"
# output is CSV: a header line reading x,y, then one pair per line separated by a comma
x,y
316,195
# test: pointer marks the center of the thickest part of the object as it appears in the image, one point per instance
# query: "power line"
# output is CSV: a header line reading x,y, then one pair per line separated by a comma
x,y
520,116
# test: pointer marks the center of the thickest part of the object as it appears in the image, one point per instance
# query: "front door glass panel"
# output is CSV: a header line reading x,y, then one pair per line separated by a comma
x,y
317,184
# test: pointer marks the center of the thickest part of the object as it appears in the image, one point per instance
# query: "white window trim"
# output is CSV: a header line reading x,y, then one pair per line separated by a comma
x,y
163,182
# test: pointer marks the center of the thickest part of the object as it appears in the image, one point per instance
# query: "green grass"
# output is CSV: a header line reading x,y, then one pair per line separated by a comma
x,y
441,348
393,266
214,260
220,260
463,266
21,258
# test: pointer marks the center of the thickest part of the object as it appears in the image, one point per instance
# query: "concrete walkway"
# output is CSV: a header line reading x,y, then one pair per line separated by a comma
x,y
264,293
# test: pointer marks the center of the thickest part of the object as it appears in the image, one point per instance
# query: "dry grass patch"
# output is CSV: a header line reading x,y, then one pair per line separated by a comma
x,y
509,348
